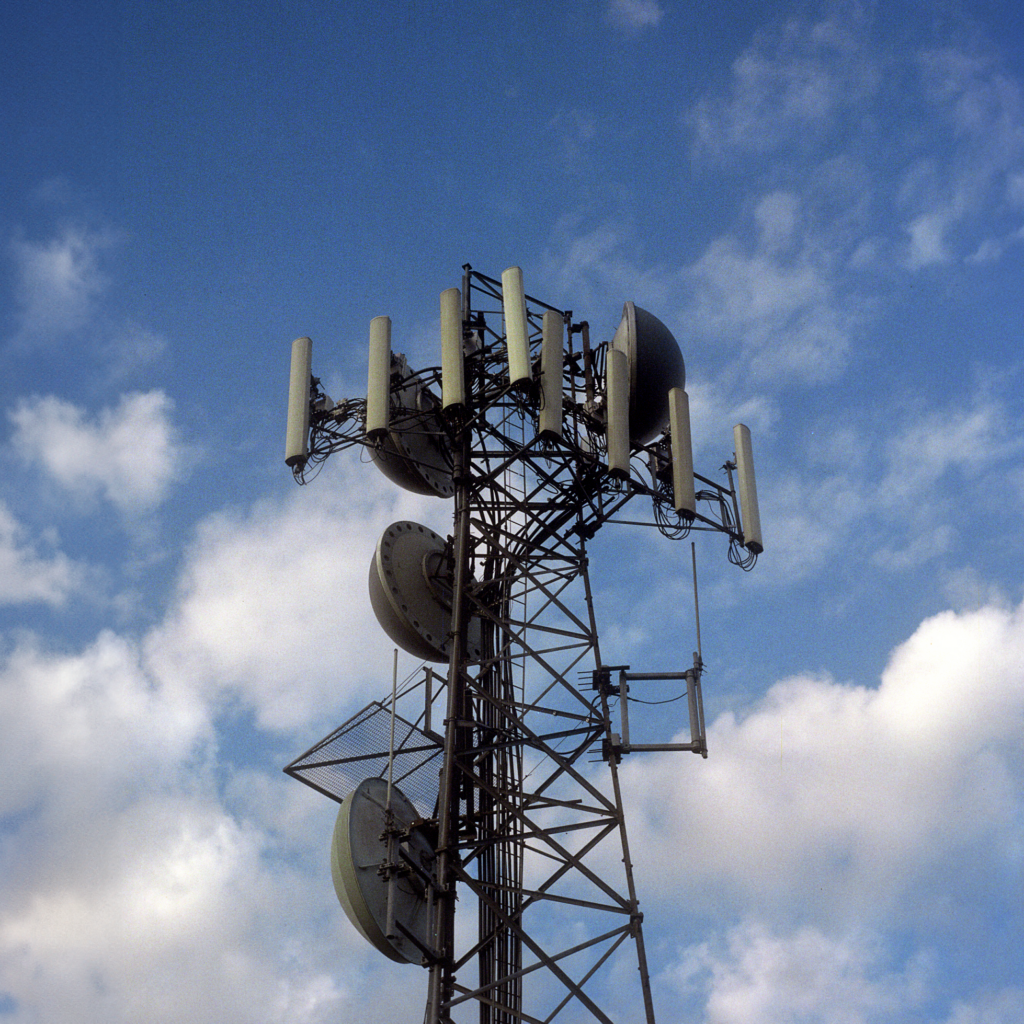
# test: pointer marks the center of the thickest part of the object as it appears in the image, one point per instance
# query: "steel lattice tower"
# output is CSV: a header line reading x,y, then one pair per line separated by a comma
x,y
510,813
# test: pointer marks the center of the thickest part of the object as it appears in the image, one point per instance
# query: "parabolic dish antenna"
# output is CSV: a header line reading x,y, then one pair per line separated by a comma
x,y
655,366
358,850
411,593
414,453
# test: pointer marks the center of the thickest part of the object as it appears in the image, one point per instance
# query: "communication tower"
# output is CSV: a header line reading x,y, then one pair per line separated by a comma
x,y
474,836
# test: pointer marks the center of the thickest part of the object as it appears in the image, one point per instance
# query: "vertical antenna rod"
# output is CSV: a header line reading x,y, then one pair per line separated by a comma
x,y
696,604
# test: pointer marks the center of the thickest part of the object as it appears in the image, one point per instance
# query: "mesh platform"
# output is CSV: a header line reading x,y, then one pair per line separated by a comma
x,y
358,750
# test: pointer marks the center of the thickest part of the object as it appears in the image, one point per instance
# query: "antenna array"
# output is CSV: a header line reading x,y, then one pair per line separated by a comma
x,y
489,801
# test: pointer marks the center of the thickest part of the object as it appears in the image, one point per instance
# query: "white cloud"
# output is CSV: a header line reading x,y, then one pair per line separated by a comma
x,y
870,804
775,297
134,890
59,281
963,204
129,454
273,607
804,977
790,87
635,15
79,725
28,577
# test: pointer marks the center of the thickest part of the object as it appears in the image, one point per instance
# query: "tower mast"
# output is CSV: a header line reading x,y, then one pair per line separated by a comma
x,y
539,445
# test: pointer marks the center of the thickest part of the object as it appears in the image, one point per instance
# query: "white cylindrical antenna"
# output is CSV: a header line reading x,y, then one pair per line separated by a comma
x,y
749,511
683,496
378,386
296,445
551,374
517,327
453,375
617,372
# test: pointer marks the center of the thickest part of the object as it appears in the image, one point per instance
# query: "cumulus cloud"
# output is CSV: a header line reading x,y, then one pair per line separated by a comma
x,y
272,608
838,801
85,723
26,576
755,974
129,454
133,891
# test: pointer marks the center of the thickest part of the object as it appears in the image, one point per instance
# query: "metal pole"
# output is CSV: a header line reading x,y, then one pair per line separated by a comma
x,y
441,980
389,817
696,604
636,918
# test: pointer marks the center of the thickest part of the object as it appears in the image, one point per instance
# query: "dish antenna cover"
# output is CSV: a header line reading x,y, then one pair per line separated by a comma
x,y
357,850
655,366
412,452
411,593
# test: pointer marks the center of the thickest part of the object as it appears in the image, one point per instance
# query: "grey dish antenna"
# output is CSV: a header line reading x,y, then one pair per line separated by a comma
x,y
410,451
359,851
655,366
411,593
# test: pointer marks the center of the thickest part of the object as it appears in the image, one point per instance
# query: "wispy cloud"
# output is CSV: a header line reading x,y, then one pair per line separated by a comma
x,y
635,15
815,91
791,88
965,202
896,499
775,297
59,280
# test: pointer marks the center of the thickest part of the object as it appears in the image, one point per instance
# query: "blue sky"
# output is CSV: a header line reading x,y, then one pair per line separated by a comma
x,y
825,202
